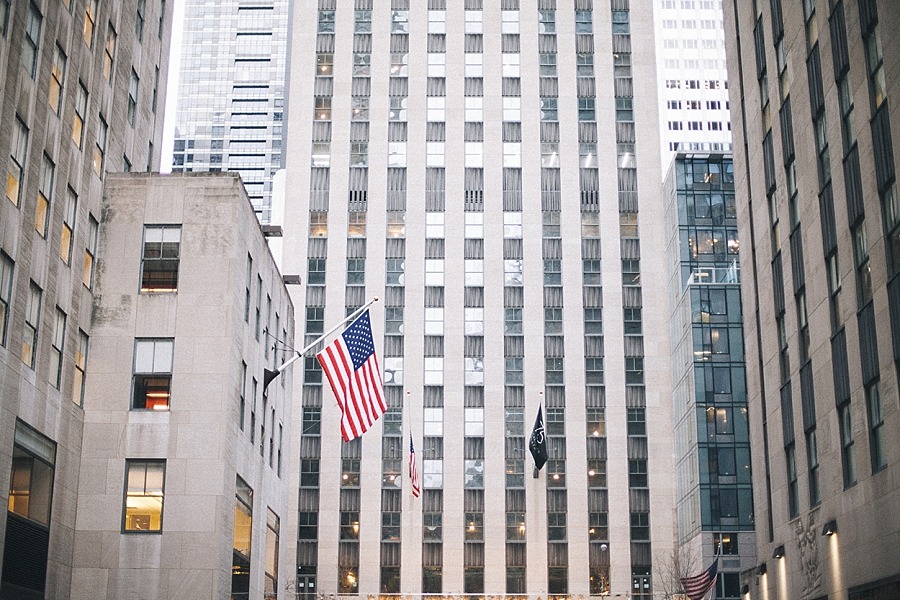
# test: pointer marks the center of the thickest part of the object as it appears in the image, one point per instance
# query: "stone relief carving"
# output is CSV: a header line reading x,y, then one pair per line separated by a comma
x,y
808,543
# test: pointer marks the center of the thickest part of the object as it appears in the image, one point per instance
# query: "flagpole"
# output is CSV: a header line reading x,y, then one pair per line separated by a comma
x,y
270,375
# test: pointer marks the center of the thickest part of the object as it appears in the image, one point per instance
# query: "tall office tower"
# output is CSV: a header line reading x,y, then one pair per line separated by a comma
x,y
819,221
448,158
693,81
714,496
185,454
231,93
83,93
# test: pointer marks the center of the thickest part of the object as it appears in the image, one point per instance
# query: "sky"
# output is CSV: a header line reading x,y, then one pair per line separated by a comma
x,y
172,88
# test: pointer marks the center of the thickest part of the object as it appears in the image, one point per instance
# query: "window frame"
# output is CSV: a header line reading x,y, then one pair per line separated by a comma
x,y
134,463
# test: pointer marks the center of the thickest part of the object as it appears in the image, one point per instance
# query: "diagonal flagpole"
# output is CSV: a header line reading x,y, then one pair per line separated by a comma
x,y
269,375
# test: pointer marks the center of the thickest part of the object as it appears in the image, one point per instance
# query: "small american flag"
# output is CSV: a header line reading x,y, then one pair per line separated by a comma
x,y
413,470
696,587
352,369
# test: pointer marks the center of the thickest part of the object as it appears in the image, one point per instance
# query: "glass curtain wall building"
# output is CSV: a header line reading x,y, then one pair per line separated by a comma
x,y
714,501
486,189
231,93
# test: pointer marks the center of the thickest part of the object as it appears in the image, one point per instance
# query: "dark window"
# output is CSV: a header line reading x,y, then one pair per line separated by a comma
x,y
159,267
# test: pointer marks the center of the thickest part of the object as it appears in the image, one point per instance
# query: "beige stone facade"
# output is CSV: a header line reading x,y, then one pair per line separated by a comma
x,y
222,335
820,256
82,96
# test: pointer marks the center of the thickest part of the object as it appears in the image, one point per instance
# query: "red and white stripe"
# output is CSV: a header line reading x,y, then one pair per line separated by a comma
x,y
359,393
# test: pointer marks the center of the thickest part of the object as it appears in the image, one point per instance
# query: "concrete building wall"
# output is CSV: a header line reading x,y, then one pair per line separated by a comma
x,y
821,403
29,393
202,437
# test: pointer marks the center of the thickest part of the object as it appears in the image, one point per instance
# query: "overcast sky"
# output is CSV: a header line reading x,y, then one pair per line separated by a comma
x,y
172,88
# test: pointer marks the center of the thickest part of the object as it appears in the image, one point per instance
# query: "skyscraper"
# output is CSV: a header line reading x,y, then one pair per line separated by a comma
x,y
693,80
82,95
713,492
231,93
487,191
819,221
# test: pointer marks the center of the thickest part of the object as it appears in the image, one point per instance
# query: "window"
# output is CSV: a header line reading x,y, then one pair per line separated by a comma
x,y
583,21
81,101
848,453
90,17
31,475
876,427
144,491
160,258
57,78
17,156
6,281
32,323
109,52
100,147
133,97
80,371
139,20
32,38
273,533
54,375
68,226
45,192
242,539
152,374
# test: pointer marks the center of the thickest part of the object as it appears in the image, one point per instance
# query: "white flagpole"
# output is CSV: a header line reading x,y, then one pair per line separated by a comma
x,y
270,375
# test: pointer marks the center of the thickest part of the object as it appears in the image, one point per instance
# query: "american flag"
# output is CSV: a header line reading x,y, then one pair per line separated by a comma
x,y
352,369
697,586
413,470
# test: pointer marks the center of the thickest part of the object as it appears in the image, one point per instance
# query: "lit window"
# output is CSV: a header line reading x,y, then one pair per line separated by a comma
x,y
144,492
356,224
57,77
152,374
318,224
100,147
81,101
242,537
31,475
160,258
90,16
